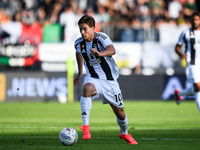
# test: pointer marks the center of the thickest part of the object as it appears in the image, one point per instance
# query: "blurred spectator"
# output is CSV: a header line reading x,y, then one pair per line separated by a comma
x,y
63,3
115,18
69,21
41,15
157,18
123,20
31,28
17,17
156,15
174,8
90,12
181,20
28,17
82,4
115,24
30,4
198,4
105,3
143,16
4,16
10,30
13,7
93,4
120,5
138,31
189,6
102,17
48,7
54,17
145,22
127,33
4,4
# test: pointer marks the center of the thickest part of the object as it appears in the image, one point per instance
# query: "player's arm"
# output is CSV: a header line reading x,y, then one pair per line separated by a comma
x,y
80,62
178,51
109,51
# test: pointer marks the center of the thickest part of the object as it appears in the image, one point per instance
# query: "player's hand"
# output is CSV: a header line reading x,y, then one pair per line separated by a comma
x,y
183,56
77,80
95,52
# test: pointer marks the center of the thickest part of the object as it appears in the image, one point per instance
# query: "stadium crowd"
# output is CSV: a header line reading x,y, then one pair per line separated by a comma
x,y
122,20
154,24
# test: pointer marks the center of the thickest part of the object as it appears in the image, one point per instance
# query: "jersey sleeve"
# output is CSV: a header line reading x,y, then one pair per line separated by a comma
x,y
104,39
181,38
77,46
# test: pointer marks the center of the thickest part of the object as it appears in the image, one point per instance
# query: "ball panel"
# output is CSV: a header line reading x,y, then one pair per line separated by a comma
x,y
68,136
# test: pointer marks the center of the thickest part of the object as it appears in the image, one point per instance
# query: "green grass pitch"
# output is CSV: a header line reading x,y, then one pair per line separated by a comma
x,y
155,125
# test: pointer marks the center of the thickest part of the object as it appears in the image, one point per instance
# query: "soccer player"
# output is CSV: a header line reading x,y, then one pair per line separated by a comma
x,y
191,39
95,50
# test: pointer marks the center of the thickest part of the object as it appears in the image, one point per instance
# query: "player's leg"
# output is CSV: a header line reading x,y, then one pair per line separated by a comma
x,y
86,105
121,118
188,91
197,94
178,94
196,77
111,94
122,121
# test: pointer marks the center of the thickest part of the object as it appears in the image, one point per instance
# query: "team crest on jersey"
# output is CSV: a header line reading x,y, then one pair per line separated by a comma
x,y
191,34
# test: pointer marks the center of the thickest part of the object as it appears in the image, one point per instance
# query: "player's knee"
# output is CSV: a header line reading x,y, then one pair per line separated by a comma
x,y
121,115
87,90
197,87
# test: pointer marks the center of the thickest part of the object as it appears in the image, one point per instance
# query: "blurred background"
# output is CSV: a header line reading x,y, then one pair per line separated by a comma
x,y
37,52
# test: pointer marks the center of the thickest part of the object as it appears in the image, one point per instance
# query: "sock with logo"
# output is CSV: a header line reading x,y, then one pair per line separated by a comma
x,y
86,106
189,91
123,124
197,100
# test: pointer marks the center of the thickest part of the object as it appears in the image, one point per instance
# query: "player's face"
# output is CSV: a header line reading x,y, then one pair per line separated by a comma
x,y
87,32
195,22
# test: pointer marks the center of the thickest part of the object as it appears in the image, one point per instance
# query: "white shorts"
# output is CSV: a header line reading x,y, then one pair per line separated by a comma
x,y
193,73
108,90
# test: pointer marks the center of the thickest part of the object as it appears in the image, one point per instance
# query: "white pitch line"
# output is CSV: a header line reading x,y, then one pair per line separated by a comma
x,y
107,128
98,138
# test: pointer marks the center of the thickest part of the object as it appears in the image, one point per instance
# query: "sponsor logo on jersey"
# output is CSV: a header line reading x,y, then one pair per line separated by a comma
x,y
95,46
94,62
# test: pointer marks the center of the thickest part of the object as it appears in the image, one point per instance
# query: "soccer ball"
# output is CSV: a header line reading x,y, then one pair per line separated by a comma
x,y
68,136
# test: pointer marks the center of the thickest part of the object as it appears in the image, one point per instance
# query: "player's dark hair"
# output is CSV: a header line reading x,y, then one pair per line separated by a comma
x,y
87,20
196,13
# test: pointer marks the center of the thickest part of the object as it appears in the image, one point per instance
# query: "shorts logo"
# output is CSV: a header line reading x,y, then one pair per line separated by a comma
x,y
2,87
84,113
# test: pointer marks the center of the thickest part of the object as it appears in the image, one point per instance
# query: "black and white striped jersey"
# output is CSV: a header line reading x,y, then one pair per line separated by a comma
x,y
97,67
191,39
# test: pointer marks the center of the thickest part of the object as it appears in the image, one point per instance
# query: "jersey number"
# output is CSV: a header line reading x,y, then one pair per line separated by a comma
x,y
118,97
